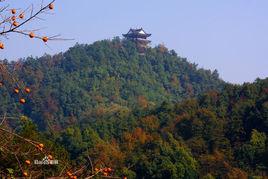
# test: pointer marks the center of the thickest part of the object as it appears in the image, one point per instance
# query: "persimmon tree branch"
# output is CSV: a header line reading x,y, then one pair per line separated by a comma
x,y
12,23
29,19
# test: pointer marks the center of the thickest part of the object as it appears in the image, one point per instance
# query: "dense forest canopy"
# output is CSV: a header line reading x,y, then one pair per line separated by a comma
x,y
147,116
107,75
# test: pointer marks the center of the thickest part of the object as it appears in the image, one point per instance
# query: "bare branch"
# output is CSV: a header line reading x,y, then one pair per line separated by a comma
x,y
27,20
4,118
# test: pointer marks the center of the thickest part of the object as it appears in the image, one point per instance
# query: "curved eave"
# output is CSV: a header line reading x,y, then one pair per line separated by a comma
x,y
137,35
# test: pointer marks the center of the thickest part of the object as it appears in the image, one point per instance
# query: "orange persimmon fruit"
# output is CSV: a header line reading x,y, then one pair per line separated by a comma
x,y
69,174
25,174
28,162
15,23
31,35
16,90
21,16
50,157
51,6
41,145
45,38
22,101
13,18
2,46
13,11
27,90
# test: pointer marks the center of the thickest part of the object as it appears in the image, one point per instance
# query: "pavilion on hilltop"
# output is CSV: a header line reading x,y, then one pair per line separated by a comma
x,y
139,36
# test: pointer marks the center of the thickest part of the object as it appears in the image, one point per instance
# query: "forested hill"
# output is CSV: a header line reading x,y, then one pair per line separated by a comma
x,y
146,116
217,135
108,75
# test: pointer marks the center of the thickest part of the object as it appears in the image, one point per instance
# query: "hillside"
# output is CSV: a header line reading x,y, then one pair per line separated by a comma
x,y
145,116
89,80
219,134
215,135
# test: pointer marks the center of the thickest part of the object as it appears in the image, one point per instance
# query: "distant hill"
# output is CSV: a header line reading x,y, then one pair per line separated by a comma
x,y
91,78
146,116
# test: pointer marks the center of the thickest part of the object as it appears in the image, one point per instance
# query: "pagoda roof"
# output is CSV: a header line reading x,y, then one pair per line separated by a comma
x,y
137,33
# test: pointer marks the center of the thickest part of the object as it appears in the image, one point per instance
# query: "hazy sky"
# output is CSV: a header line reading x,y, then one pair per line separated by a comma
x,y
228,35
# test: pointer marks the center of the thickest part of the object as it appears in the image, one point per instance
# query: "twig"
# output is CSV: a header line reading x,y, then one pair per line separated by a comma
x,y
18,162
92,170
27,20
4,118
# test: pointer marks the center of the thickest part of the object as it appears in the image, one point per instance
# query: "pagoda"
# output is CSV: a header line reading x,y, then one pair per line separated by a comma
x,y
139,36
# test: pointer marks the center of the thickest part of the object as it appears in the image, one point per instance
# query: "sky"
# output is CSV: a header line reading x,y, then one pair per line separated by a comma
x,y
229,35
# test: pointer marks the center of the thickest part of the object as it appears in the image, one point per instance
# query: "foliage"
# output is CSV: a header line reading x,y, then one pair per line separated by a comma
x,y
88,81
145,116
